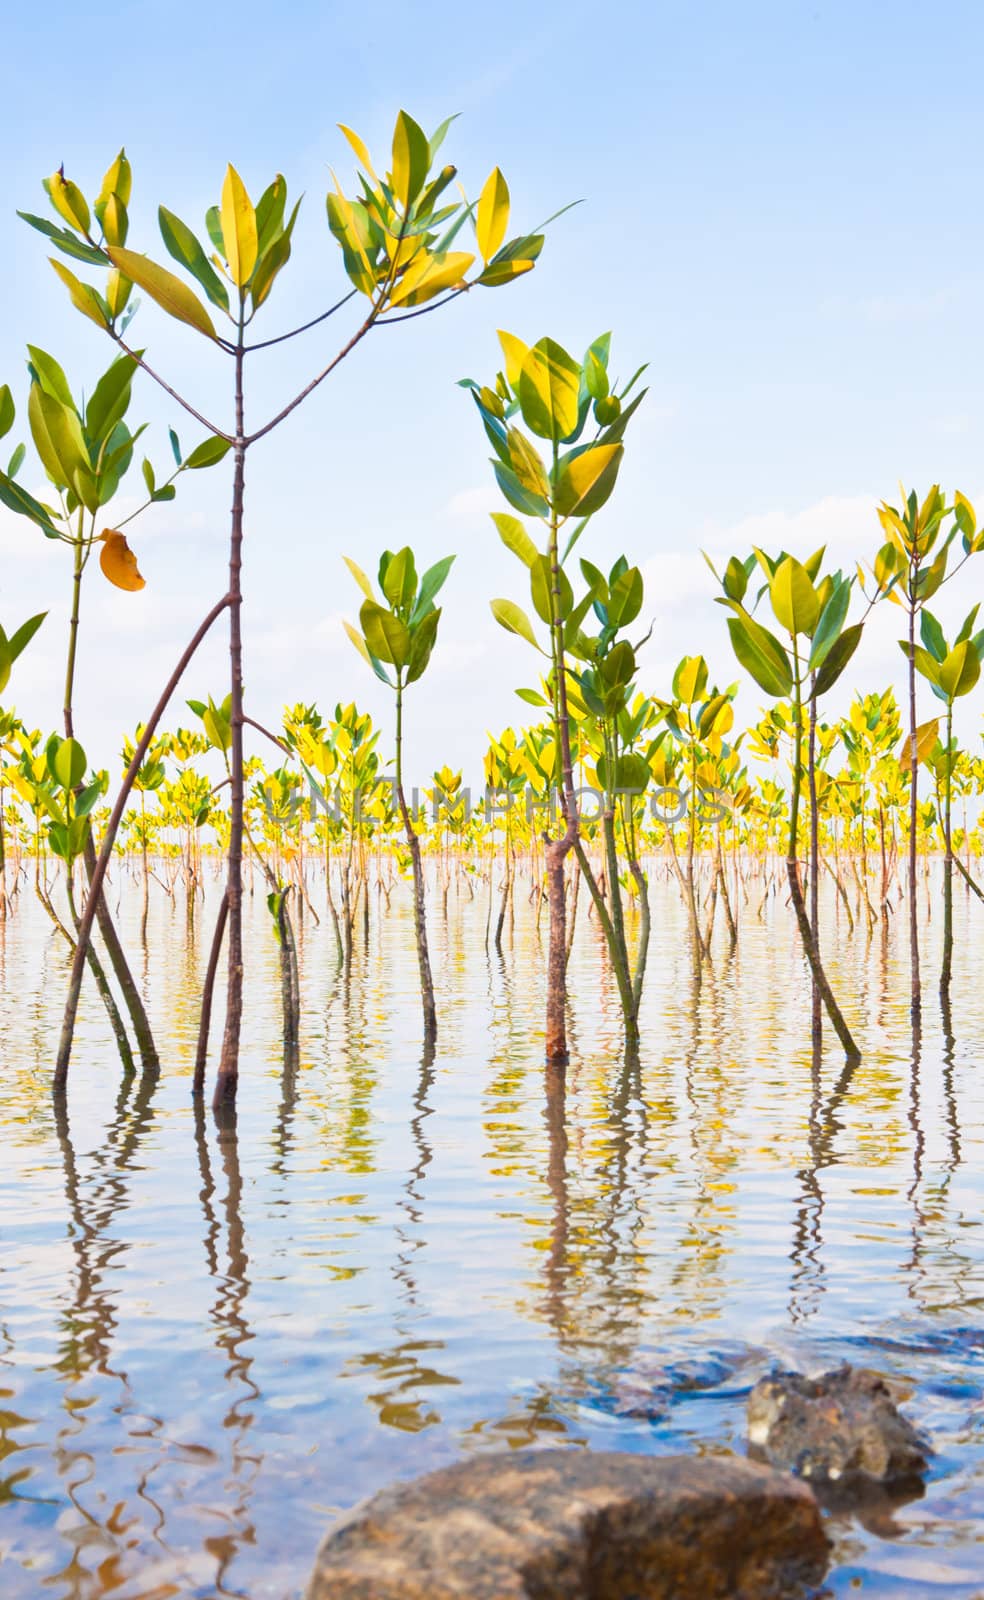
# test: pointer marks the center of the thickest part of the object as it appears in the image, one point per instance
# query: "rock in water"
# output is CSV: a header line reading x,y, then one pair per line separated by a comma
x,y
579,1525
841,1428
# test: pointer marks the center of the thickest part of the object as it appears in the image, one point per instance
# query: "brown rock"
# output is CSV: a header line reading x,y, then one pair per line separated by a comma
x,y
579,1525
842,1428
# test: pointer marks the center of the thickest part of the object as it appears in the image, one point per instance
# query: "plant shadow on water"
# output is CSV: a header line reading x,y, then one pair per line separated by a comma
x,y
214,1335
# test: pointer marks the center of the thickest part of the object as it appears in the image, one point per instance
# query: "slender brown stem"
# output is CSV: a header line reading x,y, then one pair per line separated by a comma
x,y
309,389
282,338
185,404
201,1054
916,984
102,860
227,1079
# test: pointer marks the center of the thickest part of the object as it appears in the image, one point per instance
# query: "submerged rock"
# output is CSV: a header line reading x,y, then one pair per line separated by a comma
x,y
647,1389
842,1429
579,1525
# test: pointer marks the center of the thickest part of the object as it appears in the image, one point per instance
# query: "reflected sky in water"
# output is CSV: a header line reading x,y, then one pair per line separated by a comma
x,y
212,1339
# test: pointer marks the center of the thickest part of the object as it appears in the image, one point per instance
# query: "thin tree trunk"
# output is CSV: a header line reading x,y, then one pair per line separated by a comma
x,y
227,1078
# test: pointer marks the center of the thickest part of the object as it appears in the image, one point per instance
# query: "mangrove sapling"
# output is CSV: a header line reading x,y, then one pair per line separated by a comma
x,y
395,237
150,776
951,672
555,395
68,804
399,632
612,720
903,570
817,613
698,718
86,453
216,721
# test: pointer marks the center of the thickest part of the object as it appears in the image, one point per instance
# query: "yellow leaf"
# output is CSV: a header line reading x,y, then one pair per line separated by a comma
x,y
118,181
493,214
238,228
118,562
359,577
171,294
361,153
69,201
358,641
429,275
83,297
515,352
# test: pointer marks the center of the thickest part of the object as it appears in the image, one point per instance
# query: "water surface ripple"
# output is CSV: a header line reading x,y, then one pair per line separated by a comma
x,y
212,1340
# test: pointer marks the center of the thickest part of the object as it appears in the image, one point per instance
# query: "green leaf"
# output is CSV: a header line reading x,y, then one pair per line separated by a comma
x,y
498,273
440,134
341,221
632,774
66,241
837,658
585,480
208,453
50,376
83,298
514,619
515,537
411,160
531,505
18,499
794,599
25,633
170,293
185,248
932,635
541,587
399,580
625,598
431,584
959,672
924,663
110,399
967,626
595,376
549,385
57,434
422,642
830,623
87,799
930,578
761,654
66,762
386,636
272,261
531,697
735,581
8,410
270,209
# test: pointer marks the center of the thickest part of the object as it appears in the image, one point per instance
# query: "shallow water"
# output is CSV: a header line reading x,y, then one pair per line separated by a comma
x,y
210,1344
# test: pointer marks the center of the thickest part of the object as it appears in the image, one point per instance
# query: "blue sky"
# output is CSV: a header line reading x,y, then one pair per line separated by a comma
x,y
780,216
